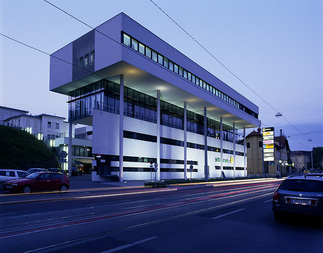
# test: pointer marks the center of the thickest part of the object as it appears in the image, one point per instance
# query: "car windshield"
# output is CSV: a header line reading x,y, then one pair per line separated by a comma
x,y
32,176
302,185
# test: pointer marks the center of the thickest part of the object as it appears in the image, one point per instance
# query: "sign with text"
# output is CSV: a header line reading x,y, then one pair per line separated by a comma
x,y
268,140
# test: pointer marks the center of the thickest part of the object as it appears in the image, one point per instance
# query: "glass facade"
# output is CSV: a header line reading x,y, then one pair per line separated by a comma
x,y
162,60
105,95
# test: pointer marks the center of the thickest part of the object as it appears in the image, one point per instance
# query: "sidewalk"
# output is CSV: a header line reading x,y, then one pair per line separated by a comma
x,y
84,181
81,186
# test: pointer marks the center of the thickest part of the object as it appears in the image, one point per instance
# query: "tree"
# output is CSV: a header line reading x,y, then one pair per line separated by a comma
x,y
21,150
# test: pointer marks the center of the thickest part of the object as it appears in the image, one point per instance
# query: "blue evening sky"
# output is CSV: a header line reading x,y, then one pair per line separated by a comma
x,y
275,47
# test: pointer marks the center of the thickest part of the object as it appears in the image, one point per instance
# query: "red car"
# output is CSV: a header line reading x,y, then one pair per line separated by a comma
x,y
39,181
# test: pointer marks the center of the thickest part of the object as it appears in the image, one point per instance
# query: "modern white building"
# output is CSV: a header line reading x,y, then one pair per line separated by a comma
x,y
149,103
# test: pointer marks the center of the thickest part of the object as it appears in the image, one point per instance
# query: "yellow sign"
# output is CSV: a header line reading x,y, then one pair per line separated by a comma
x,y
269,146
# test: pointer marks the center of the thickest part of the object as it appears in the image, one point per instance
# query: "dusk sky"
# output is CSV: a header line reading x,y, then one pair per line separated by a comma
x,y
274,47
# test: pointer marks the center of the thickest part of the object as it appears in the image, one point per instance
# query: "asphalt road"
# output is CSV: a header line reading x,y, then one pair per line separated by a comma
x,y
227,217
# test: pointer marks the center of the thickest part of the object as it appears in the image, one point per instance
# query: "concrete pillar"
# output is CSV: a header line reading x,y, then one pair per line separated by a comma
x,y
70,148
158,134
221,142
234,149
121,128
244,153
185,140
206,167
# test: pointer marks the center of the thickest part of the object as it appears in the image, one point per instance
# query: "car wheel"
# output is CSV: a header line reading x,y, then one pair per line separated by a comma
x,y
64,188
26,189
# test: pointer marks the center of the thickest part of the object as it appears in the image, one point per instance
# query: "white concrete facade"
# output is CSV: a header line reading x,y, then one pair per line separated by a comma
x,y
91,70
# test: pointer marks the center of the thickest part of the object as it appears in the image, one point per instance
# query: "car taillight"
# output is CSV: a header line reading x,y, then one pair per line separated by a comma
x,y
276,195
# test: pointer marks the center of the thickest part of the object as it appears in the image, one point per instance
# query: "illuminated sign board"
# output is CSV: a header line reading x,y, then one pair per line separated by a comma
x,y
268,140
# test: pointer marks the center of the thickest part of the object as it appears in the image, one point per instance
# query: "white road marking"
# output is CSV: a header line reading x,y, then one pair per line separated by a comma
x,y
269,200
220,216
130,245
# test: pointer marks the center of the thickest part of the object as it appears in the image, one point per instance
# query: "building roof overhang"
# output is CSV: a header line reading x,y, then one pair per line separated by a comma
x,y
147,83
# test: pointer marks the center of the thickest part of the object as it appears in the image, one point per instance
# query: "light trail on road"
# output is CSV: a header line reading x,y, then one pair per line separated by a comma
x,y
137,211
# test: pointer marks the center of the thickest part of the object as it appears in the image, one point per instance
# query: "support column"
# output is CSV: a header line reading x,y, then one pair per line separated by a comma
x,y
70,148
234,149
221,142
121,128
158,134
244,153
185,140
206,167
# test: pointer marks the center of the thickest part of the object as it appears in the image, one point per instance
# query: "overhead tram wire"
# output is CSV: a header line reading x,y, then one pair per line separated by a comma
x,y
93,28
231,72
213,56
48,54
307,133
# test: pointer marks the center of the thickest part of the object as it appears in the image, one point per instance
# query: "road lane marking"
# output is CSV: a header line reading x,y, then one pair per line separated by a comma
x,y
97,218
269,200
96,236
130,245
226,214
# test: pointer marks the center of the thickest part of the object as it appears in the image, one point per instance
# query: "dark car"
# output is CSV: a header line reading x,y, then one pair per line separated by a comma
x,y
76,171
39,181
299,195
33,170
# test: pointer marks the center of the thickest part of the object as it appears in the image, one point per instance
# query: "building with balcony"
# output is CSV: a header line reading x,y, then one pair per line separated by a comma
x,y
148,103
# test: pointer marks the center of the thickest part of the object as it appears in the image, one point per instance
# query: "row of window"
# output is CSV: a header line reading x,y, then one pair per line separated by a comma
x,y
228,168
167,63
82,151
87,59
132,169
115,158
49,125
104,95
152,138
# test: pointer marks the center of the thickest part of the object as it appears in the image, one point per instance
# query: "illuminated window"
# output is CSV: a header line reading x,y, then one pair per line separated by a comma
x,y
171,66
160,59
176,68
141,48
148,52
166,62
126,40
92,57
154,55
134,44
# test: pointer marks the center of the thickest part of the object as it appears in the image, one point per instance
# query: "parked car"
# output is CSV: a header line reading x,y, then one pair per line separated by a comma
x,y
300,195
39,181
9,174
33,170
76,171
